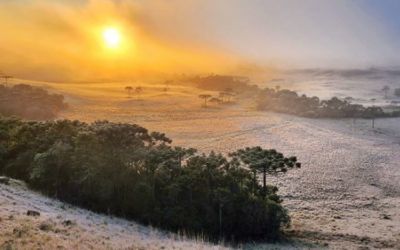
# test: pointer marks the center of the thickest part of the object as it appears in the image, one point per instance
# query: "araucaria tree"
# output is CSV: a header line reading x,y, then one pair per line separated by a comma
x,y
138,91
205,97
129,90
215,100
167,83
266,162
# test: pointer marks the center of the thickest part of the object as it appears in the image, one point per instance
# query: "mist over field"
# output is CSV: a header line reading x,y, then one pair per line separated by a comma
x,y
188,124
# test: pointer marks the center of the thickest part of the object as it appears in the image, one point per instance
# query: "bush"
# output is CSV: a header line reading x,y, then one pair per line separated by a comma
x,y
124,170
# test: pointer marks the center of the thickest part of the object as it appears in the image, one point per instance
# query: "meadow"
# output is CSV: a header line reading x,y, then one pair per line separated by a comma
x,y
346,194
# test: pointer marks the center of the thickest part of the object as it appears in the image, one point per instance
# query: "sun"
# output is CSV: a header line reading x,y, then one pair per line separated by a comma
x,y
111,37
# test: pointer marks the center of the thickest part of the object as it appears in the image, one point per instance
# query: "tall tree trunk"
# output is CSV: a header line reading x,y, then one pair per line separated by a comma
x,y
220,219
264,176
254,181
265,181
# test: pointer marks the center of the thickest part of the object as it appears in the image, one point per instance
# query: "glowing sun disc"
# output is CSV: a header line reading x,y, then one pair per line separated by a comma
x,y
111,37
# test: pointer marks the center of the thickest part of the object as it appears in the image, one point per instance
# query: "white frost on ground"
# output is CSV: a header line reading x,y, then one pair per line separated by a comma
x,y
346,195
87,230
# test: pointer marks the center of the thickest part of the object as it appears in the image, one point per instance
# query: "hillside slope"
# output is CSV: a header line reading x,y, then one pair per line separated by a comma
x,y
62,226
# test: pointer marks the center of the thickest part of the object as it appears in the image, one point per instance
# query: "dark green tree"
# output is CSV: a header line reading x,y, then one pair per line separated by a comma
x,y
265,162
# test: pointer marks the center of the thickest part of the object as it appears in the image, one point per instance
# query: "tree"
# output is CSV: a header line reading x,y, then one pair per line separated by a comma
x,y
129,90
167,83
221,96
229,93
386,89
138,91
372,113
397,92
205,97
215,100
265,162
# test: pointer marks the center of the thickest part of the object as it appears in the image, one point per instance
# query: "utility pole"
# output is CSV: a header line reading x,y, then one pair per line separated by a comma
x,y
373,113
6,79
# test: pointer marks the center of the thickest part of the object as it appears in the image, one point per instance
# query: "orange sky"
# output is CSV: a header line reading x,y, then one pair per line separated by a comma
x,y
62,40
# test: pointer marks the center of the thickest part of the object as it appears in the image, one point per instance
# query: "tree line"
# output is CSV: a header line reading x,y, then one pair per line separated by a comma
x,y
221,82
29,102
125,170
287,101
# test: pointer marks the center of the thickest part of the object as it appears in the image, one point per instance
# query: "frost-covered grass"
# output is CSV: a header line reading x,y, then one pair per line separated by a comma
x,y
347,193
86,230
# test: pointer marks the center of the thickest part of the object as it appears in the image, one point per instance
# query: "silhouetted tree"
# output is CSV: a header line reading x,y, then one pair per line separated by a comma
x,y
265,162
129,90
215,100
205,97
222,96
386,89
138,91
167,83
372,113
397,92
229,93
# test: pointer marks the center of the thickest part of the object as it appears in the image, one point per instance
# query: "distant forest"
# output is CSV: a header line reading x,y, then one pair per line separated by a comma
x,y
287,101
290,102
222,82
29,102
124,170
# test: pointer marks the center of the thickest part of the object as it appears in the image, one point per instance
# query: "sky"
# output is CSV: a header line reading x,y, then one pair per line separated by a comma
x,y
61,40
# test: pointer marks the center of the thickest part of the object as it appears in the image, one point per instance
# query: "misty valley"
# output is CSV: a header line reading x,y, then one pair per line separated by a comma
x,y
218,161
201,124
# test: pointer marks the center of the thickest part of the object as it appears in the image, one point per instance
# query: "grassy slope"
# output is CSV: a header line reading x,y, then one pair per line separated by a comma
x,y
88,230
350,178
